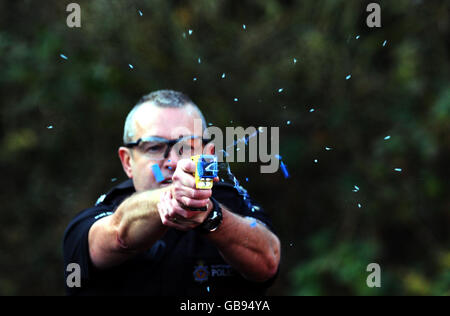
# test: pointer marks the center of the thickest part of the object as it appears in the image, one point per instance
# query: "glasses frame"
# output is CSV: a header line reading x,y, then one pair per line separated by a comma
x,y
170,142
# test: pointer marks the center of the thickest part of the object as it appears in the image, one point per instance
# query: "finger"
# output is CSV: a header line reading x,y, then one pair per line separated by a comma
x,y
164,209
186,165
171,221
178,226
187,202
187,216
216,179
184,178
173,215
196,194
162,205
175,210
163,197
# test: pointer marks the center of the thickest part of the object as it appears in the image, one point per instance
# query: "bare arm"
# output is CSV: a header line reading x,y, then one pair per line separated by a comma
x,y
134,226
250,248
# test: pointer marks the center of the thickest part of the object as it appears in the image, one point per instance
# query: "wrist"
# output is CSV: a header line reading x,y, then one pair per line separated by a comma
x,y
213,219
209,206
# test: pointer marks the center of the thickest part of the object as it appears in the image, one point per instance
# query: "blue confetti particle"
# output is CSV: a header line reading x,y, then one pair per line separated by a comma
x,y
356,188
387,137
315,160
190,32
384,43
195,79
113,179
235,99
50,127
295,60
100,199
398,169
63,56
239,188
284,169
199,60
253,224
359,205
207,288
280,90
288,122
357,36
140,12
348,77
131,66
244,26
210,124
223,76
246,179
312,110
157,173
328,148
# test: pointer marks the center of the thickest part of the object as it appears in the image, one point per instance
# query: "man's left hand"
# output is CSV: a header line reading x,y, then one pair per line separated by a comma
x,y
175,204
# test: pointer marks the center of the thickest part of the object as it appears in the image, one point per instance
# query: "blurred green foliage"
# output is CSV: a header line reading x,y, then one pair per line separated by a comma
x,y
61,125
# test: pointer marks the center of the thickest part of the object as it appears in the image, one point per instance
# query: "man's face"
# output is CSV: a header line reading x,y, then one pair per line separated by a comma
x,y
167,123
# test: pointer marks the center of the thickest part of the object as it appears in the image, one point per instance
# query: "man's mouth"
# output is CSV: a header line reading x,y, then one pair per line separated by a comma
x,y
166,181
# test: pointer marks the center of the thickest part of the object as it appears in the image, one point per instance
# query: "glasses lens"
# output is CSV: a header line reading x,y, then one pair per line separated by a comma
x,y
187,147
153,149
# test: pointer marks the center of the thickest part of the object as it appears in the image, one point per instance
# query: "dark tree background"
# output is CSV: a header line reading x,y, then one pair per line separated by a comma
x,y
62,120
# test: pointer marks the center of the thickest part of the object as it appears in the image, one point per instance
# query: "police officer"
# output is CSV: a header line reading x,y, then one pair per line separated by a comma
x,y
151,237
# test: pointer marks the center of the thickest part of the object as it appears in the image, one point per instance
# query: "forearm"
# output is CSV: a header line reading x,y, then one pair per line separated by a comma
x,y
137,221
134,226
250,248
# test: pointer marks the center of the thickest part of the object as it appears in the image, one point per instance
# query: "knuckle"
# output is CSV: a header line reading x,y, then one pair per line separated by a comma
x,y
186,201
176,176
190,215
171,212
196,194
201,194
165,221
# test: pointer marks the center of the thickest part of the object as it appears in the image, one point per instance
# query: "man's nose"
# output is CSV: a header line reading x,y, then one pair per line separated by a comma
x,y
171,161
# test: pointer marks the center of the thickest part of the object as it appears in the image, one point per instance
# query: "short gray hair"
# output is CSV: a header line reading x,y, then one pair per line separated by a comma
x,y
163,99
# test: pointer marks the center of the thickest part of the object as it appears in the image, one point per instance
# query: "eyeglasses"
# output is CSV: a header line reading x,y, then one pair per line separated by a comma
x,y
158,148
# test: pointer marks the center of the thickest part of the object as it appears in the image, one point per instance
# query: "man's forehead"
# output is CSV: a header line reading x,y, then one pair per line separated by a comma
x,y
151,120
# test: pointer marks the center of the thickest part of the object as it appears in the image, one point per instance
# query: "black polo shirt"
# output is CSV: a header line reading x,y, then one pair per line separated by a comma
x,y
180,263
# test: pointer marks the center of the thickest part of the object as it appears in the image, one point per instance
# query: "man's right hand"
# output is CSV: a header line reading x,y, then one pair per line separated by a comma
x,y
175,204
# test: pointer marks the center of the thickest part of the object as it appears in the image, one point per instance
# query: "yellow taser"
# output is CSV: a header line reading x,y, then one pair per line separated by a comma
x,y
205,171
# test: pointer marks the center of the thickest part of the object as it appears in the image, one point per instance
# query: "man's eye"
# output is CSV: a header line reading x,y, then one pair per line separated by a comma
x,y
154,148
185,149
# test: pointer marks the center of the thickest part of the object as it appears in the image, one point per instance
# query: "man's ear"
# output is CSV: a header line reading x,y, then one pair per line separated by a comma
x,y
210,149
126,160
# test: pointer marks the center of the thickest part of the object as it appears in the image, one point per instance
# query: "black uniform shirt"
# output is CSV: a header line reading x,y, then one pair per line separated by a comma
x,y
180,263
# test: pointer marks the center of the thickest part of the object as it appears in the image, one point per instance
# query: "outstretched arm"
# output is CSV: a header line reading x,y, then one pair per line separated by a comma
x,y
134,226
247,245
